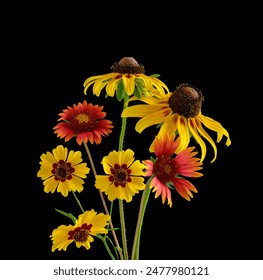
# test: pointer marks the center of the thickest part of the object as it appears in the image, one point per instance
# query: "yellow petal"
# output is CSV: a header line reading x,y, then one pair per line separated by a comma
x,y
149,120
129,83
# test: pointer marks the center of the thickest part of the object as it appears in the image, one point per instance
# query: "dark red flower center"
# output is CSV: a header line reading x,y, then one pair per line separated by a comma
x,y
120,175
186,101
165,169
62,171
80,234
83,122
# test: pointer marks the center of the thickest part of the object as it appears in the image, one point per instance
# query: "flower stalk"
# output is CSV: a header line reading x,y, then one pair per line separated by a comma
x,y
121,206
137,235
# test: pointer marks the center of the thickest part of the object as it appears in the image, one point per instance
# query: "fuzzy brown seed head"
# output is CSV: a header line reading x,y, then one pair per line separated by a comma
x,y
186,101
127,65
128,61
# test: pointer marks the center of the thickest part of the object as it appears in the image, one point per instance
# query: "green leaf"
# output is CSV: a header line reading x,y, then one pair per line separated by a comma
x,y
136,93
69,215
153,159
120,91
109,229
140,87
155,75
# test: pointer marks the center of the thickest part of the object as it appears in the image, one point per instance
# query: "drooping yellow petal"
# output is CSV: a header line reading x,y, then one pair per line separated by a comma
x,y
202,132
149,120
91,80
98,86
99,82
183,132
137,111
215,126
112,86
193,129
155,82
129,83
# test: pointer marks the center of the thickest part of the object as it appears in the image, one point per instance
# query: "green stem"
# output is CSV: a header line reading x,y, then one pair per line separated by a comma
x,y
123,128
78,202
107,248
137,236
121,206
123,230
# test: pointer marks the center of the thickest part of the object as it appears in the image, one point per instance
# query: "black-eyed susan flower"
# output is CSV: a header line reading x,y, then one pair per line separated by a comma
x,y
62,171
124,175
179,113
88,224
169,169
84,121
127,78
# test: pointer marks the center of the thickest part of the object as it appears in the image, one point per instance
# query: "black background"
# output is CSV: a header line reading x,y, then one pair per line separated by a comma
x,y
49,66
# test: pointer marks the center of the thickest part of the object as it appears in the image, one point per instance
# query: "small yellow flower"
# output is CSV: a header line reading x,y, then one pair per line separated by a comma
x,y
123,179
127,78
62,171
88,224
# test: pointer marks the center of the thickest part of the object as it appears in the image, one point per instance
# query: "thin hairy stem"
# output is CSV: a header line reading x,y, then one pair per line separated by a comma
x,y
104,203
121,206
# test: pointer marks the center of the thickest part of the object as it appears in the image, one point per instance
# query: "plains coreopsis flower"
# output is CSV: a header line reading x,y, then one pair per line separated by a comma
x,y
124,175
169,169
88,224
127,77
178,113
84,121
62,171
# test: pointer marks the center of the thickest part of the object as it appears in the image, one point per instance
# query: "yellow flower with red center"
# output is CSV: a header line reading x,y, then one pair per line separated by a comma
x,y
128,78
168,169
62,171
178,113
87,225
124,175
84,121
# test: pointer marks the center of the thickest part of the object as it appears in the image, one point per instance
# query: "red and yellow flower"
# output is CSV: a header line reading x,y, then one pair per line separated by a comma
x,y
169,169
84,121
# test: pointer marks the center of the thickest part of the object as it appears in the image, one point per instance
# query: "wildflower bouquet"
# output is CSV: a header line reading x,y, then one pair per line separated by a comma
x,y
171,165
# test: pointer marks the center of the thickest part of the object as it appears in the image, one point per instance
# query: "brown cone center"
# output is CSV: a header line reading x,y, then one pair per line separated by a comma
x,y
186,101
